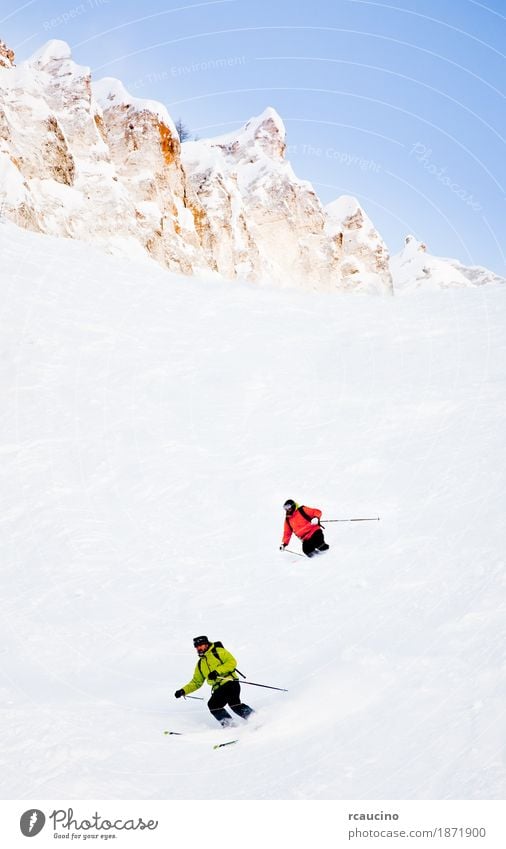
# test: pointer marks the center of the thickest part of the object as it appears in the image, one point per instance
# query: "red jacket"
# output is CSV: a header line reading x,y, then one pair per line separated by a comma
x,y
297,524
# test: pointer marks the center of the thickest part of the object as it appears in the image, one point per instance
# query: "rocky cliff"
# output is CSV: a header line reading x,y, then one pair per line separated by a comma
x,y
87,160
261,221
365,262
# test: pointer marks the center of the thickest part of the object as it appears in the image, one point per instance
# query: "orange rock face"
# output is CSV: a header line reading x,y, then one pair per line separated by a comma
x,y
6,56
90,161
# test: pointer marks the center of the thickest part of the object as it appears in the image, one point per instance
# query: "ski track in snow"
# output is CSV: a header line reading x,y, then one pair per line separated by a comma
x,y
152,427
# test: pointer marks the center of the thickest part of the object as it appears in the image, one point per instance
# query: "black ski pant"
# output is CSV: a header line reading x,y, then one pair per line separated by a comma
x,y
316,541
229,694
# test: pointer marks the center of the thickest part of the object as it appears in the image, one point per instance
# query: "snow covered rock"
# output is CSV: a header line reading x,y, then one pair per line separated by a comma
x,y
87,160
6,56
364,255
104,169
260,221
44,104
414,268
144,155
90,161
476,274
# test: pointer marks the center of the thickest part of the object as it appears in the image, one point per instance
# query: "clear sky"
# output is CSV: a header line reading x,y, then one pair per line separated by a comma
x,y
399,103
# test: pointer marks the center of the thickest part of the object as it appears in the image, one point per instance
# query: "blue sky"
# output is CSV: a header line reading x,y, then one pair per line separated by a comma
x,y
399,103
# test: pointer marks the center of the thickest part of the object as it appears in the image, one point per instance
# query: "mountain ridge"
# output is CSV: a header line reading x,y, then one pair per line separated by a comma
x,y
103,166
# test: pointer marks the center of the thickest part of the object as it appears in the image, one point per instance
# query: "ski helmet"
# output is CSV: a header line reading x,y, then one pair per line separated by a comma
x,y
201,644
289,505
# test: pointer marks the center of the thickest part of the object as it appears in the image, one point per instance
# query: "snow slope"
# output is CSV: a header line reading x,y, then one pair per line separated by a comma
x,y
150,434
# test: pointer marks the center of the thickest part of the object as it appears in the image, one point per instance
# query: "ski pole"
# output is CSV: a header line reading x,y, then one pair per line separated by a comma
x,y
373,519
289,551
200,698
267,686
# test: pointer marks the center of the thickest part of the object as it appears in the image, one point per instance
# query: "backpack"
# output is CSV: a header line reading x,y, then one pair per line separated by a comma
x,y
302,513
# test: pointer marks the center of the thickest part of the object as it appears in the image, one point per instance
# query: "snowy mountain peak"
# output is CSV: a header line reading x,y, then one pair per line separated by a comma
x,y
252,203
414,268
268,131
365,260
52,73
344,209
52,51
110,92
412,246
87,160
6,56
268,115
263,135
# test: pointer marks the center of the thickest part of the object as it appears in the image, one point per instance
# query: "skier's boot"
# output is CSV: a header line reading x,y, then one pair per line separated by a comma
x,y
223,717
228,723
242,710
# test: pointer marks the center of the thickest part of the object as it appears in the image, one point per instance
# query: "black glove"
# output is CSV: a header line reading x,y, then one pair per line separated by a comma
x,y
179,693
212,675
282,547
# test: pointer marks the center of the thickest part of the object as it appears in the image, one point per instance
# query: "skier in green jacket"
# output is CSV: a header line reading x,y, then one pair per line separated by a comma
x,y
217,666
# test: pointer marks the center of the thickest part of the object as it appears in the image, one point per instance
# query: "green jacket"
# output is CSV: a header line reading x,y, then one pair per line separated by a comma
x,y
216,657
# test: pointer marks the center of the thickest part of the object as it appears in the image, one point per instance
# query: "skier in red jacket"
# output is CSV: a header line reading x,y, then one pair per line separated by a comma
x,y
304,522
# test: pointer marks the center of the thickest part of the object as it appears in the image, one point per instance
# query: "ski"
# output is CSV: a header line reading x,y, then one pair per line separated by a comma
x,y
228,743
182,734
